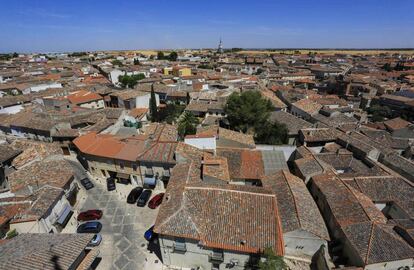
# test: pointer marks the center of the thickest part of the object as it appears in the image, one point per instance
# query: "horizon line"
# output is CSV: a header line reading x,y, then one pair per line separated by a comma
x,y
225,48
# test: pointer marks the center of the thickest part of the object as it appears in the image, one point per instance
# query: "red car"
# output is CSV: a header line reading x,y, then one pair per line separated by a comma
x,y
155,201
90,215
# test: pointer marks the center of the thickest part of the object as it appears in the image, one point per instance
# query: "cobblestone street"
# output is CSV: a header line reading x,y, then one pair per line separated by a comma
x,y
123,226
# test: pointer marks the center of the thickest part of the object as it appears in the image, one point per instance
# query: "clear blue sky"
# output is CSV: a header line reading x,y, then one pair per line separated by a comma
x,y
45,25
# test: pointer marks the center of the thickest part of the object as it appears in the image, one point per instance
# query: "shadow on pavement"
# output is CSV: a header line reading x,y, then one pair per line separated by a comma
x,y
154,247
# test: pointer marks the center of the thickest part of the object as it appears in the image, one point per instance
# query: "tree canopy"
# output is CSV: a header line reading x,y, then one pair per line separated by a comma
x,y
173,56
153,107
116,63
160,56
272,133
130,81
247,110
170,113
379,112
187,124
272,261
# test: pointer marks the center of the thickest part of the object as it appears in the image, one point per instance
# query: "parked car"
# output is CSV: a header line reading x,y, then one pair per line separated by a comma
x,y
155,201
134,195
86,183
149,234
90,227
144,197
90,215
96,240
110,184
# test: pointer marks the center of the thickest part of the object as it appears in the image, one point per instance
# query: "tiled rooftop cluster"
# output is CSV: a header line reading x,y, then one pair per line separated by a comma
x,y
349,179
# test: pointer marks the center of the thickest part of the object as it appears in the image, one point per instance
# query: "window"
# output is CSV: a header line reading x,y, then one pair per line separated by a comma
x,y
134,167
179,245
217,256
121,165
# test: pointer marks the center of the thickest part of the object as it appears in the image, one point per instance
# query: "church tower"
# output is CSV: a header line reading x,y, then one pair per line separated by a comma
x,y
220,47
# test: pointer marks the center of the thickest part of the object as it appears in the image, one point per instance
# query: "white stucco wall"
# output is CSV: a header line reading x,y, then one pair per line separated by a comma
x,y
393,265
43,225
42,87
197,256
301,243
143,101
11,110
97,104
202,143
114,74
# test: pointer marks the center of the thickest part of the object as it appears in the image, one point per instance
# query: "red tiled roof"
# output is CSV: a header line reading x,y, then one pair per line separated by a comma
x,y
243,164
83,96
396,123
102,145
219,216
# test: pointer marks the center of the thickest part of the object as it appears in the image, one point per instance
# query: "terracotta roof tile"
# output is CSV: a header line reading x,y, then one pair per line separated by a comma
x,y
83,96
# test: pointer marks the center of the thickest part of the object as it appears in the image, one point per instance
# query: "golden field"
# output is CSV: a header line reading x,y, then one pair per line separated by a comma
x,y
351,52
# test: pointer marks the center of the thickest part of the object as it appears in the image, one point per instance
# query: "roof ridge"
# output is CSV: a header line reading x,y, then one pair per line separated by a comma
x,y
279,229
369,242
183,195
354,195
294,199
228,190
356,182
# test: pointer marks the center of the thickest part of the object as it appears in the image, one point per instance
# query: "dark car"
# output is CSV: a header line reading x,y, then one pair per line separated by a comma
x,y
90,215
86,183
155,201
134,195
110,184
144,197
150,234
90,227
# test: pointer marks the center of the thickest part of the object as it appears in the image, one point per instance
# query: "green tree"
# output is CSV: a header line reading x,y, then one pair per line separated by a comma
x,y
173,56
379,113
247,111
387,67
272,261
136,62
160,56
272,133
153,110
130,81
116,63
187,124
188,99
15,55
170,113
399,66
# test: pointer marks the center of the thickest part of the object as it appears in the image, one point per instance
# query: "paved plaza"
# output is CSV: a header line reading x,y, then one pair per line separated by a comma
x,y
123,226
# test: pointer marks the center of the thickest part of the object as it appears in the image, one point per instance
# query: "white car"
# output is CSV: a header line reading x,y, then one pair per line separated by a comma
x,y
96,240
